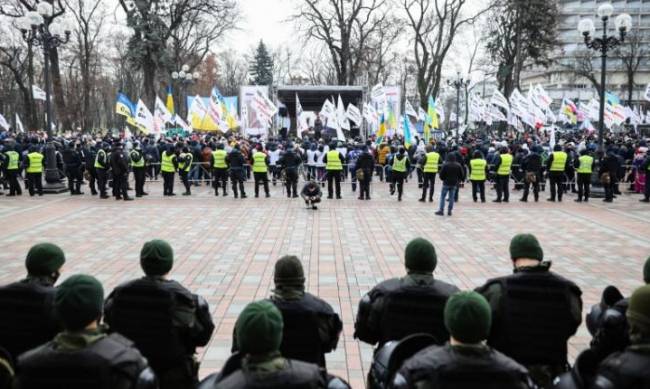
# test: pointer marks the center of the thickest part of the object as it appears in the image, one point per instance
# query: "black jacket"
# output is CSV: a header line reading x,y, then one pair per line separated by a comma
x,y
452,174
365,161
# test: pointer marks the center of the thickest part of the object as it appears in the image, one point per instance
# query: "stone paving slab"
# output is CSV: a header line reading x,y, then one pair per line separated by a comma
x,y
225,248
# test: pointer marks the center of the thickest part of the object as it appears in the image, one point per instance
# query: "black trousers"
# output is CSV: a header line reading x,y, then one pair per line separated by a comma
x,y
237,179
219,180
478,188
429,182
584,184
185,179
502,186
609,190
535,186
102,177
93,179
364,185
120,186
333,179
398,180
74,179
168,183
14,187
261,179
556,180
35,183
292,183
139,176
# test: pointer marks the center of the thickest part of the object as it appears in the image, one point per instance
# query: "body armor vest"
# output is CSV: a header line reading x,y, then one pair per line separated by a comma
x,y
296,375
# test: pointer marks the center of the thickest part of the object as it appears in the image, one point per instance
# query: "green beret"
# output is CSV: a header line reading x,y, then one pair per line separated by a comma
x,y
288,271
156,258
420,256
526,246
468,317
646,271
638,314
44,259
78,301
259,328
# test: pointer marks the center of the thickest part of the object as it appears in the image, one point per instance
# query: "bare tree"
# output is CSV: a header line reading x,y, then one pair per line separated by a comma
x,y
381,58
632,54
345,28
232,73
581,64
434,24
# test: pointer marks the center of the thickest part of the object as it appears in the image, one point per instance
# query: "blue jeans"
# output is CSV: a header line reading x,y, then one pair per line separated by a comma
x,y
452,192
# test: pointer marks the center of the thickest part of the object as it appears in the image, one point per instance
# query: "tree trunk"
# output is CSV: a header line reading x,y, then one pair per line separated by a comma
x,y
149,81
30,106
630,87
57,89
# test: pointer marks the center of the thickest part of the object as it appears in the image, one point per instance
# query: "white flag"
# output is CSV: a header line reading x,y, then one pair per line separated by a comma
x,y
541,97
440,110
551,140
19,124
377,93
39,94
422,115
647,93
341,116
161,112
263,106
354,114
3,123
500,100
408,109
182,124
143,117
301,123
197,111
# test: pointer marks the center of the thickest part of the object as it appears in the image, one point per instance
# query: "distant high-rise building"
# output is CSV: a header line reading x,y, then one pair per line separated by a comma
x,y
563,79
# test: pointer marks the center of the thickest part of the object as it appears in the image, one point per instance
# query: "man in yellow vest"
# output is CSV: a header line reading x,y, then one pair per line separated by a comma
x,y
12,162
556,165
168,166
34,164
101,168
334,166
260,163
184,166
219,169
477,175
503,166
138,167
584,166
400,167
430,164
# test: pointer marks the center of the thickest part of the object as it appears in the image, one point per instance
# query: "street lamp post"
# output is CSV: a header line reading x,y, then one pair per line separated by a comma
x,y
603,45
459,83
38,29
185,78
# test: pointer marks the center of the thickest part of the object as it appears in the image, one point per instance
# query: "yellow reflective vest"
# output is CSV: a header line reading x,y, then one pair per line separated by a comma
x,y
586,164
219,157
13,156
167,164
35,163
399,165
433,159
506,164
186,163
259,162
134,163
333,161
478,169
559,161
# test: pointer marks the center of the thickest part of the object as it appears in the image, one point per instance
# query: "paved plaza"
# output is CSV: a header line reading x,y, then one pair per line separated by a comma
x,y
225,248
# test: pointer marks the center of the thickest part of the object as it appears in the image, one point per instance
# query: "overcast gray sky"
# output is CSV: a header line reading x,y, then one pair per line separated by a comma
x,y
264,19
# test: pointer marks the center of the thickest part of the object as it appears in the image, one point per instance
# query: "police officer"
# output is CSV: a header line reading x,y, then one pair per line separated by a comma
x,y
138,167
90,154
399,307
101,169
531,165
543,311
168,166
184,166
73,161
465,362
120,169
27,306
290,162
365,164
34,164
503,167
400,167
334,166
235,159
630,368
556,164
478,168
260,163
165,320
83,355
430,162
608,171
311,327
220,170
584,166
13,170
259,363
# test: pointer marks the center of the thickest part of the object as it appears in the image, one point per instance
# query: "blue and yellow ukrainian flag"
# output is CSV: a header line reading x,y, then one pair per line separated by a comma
x,y
124,106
